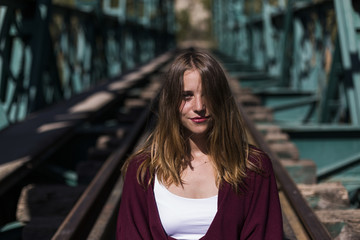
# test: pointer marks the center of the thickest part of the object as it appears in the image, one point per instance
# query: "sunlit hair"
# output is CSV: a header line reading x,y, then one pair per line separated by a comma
x,y
168,148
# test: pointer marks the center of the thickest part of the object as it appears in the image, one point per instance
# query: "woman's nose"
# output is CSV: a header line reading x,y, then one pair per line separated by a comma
x,y
199,104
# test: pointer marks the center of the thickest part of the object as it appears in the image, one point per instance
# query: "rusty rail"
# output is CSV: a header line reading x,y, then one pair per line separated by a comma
x,y
80,220
96,210
314,228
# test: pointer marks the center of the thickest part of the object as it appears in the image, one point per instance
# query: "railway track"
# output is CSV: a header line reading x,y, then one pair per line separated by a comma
x,y
66,159
106,137
311,209
300,221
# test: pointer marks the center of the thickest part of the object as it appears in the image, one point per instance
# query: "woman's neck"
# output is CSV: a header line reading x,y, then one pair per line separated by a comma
x,y
198,145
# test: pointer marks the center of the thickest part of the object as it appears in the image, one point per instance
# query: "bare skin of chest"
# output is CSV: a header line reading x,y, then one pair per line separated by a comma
x,y
199,181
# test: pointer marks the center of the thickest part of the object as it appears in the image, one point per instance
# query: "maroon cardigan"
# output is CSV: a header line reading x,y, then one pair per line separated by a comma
x,y
255,214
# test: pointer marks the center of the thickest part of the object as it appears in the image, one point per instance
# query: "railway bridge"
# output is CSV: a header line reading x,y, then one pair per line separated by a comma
x,y
78,79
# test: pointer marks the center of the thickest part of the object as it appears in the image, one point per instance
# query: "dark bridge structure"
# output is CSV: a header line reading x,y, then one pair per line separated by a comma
x,y
78,79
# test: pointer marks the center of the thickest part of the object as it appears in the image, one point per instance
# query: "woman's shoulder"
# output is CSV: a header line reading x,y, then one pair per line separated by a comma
x,y
135,161
259,159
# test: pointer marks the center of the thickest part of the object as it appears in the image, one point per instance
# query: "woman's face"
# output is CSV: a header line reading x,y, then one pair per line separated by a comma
x,y
193,112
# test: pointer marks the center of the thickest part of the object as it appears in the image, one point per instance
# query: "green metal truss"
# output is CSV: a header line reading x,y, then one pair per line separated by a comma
x,y
50,52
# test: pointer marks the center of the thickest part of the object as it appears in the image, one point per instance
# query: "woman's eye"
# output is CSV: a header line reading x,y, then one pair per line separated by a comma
x,y
187,96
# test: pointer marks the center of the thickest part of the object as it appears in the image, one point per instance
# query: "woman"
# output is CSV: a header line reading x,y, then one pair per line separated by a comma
x,y
196,177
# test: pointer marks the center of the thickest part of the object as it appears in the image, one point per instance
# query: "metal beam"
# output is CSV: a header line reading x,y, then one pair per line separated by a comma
x,y
338,167
348,25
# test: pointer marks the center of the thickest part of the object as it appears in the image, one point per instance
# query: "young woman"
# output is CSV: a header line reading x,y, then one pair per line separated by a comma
x,y
197,177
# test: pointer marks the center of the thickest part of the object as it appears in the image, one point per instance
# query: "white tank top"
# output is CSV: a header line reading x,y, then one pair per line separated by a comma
x,y
184,218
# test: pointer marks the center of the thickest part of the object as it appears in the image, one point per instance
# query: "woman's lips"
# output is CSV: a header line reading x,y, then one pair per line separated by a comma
x,y
199,119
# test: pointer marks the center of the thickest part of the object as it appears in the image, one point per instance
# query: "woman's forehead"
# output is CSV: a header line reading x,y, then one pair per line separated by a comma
x,y
191,71
192,80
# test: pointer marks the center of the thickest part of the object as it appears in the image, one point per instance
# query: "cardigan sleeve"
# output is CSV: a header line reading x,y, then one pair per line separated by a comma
x,y
263,219
132,223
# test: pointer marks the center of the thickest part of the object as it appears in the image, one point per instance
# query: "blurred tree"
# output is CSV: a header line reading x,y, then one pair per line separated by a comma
x,y
194,25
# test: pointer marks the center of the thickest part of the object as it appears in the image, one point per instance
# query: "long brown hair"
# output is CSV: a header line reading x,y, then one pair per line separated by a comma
x,y
167,148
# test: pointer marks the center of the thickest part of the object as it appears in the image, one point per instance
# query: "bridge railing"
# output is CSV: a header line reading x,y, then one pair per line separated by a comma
x,y
302,59
308,47
51,51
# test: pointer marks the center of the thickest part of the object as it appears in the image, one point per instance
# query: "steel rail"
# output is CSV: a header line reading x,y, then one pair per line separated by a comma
x,y
81,218
314,228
